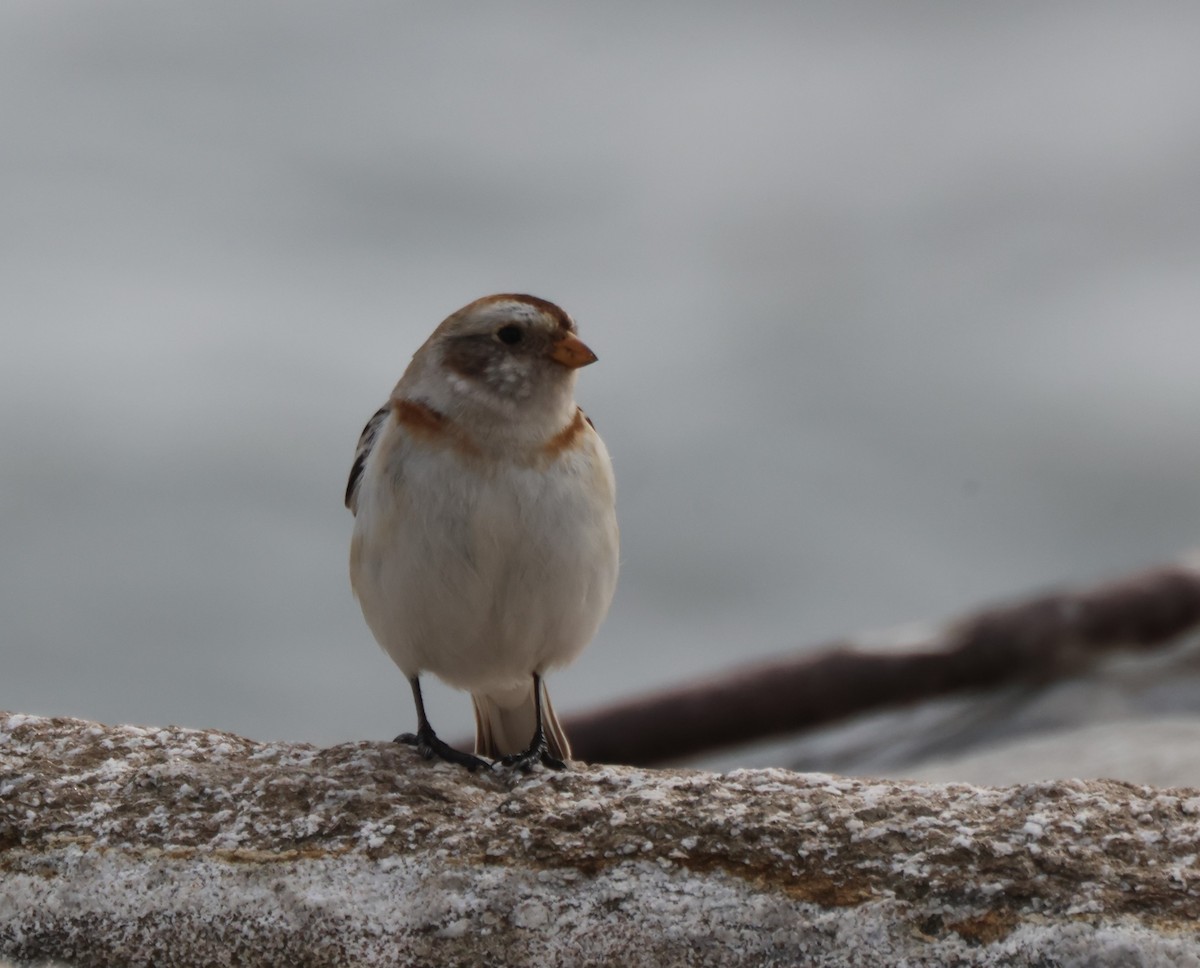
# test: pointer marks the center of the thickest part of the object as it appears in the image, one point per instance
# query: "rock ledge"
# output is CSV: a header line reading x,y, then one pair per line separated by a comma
x,y
134,846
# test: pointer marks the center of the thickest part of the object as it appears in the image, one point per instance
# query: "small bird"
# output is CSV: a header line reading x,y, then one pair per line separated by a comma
x,y
485,533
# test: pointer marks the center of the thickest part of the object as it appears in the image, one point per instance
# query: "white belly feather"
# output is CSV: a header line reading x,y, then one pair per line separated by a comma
x,y
497,576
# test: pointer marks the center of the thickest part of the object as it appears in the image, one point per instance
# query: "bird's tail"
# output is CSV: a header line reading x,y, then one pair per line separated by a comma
x,y
505,723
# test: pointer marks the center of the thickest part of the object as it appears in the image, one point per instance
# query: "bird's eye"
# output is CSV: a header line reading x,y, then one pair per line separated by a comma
x,y
509,335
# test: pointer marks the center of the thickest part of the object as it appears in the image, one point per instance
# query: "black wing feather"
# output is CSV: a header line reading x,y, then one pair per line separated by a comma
x,y
365,442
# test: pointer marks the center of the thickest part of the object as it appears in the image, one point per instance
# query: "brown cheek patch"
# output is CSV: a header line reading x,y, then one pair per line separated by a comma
x,y
568,437
425,423
469,356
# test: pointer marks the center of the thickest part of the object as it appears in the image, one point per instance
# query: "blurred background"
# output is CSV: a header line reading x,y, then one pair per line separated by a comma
x,y
896,309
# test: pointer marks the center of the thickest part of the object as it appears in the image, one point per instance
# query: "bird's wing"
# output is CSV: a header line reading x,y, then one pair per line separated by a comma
x,y
365,443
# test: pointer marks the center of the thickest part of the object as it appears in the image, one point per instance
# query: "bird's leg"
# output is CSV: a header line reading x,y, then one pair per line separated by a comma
x,y
426,740
537,751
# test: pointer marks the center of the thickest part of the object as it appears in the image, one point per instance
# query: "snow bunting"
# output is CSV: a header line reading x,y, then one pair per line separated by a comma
x,y
485,532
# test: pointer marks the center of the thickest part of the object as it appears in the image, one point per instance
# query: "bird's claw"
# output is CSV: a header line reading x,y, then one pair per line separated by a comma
x,y
429,745
536,753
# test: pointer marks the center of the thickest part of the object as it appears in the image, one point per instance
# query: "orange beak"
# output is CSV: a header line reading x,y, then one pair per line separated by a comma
x,y
571,351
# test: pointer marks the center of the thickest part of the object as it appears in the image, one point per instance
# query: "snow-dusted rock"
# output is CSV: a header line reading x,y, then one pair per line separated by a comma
x,y
134,846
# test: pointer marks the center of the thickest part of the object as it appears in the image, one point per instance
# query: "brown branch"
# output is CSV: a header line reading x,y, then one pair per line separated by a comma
x,y
1040,639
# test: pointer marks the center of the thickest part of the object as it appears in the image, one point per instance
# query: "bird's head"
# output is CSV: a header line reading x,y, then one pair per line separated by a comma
x,y
513,354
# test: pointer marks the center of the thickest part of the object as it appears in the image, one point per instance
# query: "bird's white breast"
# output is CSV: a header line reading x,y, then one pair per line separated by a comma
x,y
483,572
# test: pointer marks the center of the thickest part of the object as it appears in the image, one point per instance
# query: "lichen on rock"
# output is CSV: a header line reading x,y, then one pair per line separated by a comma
x,y
134,846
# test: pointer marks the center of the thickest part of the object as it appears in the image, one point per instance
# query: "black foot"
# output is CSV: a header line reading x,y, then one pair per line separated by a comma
x,y
537,753
429,746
